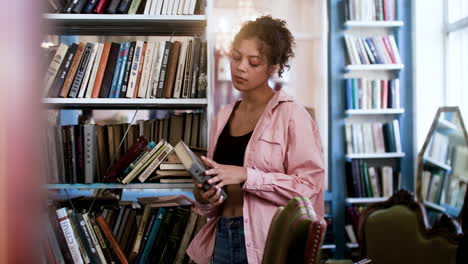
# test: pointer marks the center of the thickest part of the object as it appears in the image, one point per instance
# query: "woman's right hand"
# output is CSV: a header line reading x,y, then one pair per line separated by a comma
x,y
213,195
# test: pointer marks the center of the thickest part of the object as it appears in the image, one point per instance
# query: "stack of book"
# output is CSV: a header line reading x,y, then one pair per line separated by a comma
x,y
372,94
364,180
83,153
155,230
132,69
368,138
131,7
372,50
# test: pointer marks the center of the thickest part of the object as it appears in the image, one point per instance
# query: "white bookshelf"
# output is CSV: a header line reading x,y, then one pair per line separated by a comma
x,y
388,111
157,186
366,200
374,67
373,24
375,155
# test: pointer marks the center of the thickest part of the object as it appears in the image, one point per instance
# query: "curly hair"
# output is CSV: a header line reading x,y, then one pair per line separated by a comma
x,y
276,41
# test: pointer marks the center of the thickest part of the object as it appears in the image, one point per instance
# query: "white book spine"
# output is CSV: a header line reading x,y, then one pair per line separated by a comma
x,y
90,151
159,7
175,8
180,70
134,70
192,7
165,7
94,238
180,10
387,181
396,53
54,67
156,69
142,164
69,235
148,71
146,68
170,7
167,149
186,7
92,78
396,128
84,83
148,7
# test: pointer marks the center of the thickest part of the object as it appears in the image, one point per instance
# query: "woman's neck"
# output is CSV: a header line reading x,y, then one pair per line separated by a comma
x,y
256,98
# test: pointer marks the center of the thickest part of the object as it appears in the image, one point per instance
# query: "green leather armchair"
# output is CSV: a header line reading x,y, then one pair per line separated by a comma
x,y
396,231
295,234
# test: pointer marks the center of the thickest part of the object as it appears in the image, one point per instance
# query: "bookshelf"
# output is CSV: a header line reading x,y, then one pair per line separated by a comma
x,y
441,176
340,69
128,205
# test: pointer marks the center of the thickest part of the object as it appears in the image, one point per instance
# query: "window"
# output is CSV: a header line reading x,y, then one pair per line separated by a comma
x,y
456,52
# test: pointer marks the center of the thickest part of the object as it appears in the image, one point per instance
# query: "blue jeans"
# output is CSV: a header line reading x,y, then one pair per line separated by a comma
x,y
230,241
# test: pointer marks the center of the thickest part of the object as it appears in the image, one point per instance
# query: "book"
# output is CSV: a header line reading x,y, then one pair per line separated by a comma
x,y
72,71
112,7
90,153
202,73
119,69
94,238
90,6
134,70
180,70
152,235
54,67
194,166
168,89
184,243
63,71
164,69
195,67
101,6
79,6
140,70
124,6
171,166
81,70
151,47
155,161
84,84
156,69
94,71
67,229
128,65
109,70
142,163
171,245
111,238
96,88
134,7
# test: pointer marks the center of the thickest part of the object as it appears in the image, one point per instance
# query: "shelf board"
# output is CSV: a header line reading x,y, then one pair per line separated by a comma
x,y
437,163
352,245
108,24
328,246
388,111
366,200
120,186
124,103
374,24
373,67
376,155
434,206
452,211
444,124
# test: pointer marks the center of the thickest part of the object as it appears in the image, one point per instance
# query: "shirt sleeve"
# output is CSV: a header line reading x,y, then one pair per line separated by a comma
x,y
303,164
207,210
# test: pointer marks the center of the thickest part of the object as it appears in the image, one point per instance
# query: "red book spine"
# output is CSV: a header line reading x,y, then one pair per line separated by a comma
x,y
101,6
389,49
384,92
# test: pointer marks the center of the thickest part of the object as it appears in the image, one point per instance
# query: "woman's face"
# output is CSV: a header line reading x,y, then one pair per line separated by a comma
x,y
249,68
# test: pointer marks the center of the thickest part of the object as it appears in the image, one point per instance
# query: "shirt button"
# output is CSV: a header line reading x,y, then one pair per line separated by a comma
x,y
246,221
248,244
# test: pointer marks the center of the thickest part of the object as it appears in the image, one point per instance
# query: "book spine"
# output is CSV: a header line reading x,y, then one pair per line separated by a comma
x,y
102,241
172,70
152,235
100,71
78,8
69,235
94,71
91,248
180,70
140,70
89,68
108,233
156,162
141,164
134,7
81,70
156,69
134,69
94,239
72,71
90,7
109,70
195,68
62,73
148,61
54,67
101,6
163,72
69,7
112,8
118,69
123,6
128,66
202,78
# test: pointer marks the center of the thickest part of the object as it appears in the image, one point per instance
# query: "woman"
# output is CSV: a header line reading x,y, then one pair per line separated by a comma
x,y
264,150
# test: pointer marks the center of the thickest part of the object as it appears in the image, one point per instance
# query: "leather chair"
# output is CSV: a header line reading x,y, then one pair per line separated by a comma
x,y
295,234
397,231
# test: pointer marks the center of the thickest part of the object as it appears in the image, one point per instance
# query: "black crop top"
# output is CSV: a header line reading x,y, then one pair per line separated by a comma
x,y
230,150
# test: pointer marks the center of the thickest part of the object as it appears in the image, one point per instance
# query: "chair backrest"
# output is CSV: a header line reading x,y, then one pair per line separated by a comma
x,y
295,234
396,231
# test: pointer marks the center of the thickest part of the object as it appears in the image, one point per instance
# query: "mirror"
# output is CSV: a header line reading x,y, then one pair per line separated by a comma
x,y
442,175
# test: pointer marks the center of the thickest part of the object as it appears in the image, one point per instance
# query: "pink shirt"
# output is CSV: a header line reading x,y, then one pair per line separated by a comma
x,y
283,160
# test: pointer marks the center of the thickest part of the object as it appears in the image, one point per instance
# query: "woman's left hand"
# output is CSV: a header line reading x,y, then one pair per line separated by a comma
x,y
224,174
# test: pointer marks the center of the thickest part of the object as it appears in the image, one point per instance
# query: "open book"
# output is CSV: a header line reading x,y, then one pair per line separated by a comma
x,y
194,166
